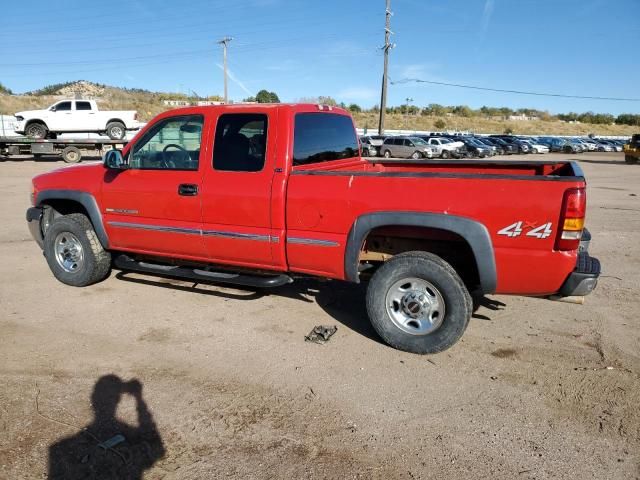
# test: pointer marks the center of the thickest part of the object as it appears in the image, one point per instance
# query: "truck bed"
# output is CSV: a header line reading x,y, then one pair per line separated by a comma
x,y
324,200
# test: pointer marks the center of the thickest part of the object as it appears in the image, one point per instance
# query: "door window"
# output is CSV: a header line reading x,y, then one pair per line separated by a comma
x,y
241,142
63,106
171,144
83,106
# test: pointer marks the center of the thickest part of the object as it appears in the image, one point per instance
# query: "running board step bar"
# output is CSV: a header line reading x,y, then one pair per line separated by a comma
x,y
124,262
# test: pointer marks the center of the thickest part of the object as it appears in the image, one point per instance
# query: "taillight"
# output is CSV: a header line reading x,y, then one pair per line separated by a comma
x,y
574,208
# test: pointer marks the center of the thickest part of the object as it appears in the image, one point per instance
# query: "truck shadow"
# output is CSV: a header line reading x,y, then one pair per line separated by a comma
x,y
342,301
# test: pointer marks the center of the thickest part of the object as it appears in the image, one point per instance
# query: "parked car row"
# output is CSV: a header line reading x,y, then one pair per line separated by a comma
x,y
443,145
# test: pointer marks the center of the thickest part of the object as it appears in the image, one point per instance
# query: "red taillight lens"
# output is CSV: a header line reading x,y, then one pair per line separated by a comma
x,y
574,208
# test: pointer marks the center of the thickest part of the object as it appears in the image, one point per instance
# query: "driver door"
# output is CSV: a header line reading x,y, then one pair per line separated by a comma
x,y
154,206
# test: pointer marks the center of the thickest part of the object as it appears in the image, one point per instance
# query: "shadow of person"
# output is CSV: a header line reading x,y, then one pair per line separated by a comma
x,y
109,448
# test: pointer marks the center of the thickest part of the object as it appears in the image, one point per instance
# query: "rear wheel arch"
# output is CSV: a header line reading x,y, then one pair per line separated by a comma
x,y
475,235
65,202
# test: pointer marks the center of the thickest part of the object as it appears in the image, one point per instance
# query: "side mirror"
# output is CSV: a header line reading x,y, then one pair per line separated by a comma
x,y
53,109
113,159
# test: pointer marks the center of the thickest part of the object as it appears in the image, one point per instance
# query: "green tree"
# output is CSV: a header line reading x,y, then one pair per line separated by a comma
x,y
5,90
355,108
265,96
508,131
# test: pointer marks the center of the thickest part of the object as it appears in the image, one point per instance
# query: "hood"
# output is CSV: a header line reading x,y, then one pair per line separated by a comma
x,y
84,177
28,112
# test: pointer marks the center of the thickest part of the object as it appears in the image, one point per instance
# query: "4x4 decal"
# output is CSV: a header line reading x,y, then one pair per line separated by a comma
x,y
516,229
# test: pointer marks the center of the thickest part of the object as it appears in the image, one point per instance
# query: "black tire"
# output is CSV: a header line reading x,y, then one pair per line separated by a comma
x,y
416,155
445,154
387,154
36,130
116,130
96,261
71,155
630,159
458,305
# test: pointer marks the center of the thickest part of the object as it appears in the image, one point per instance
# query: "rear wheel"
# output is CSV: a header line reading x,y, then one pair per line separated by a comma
x,y
36,130
387,154
71,155
116,130
445,154
74,253
417,303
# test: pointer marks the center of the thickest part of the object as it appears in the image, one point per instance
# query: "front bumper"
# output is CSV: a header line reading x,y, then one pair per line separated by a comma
x,y
34,217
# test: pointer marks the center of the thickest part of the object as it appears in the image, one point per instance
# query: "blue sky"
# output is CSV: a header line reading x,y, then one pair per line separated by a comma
x,y
332,47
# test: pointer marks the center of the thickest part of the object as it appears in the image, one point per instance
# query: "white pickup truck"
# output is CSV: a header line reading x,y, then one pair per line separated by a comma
x,y
69,116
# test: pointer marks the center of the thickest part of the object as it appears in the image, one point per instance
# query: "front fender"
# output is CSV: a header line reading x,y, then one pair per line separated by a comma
x,y
85,199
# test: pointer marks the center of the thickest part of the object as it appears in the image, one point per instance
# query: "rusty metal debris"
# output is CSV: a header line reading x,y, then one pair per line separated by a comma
x,y
320,334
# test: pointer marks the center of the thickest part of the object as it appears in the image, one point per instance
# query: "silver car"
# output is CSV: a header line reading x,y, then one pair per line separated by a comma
x,y
407,147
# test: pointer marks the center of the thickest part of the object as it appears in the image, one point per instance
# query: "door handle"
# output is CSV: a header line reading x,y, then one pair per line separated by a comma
x,y
188,189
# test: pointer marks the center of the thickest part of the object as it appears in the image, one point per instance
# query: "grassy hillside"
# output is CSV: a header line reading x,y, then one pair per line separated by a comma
x,y
148,104
484,125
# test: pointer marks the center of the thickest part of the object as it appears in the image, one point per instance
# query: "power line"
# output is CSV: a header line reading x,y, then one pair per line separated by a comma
x,y
520,92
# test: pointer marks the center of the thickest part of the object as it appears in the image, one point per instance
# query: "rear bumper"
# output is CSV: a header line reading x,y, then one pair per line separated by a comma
x,y
583,280
34,217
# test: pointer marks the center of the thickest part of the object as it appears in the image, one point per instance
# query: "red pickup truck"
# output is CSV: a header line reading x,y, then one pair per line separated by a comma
x,y
258,194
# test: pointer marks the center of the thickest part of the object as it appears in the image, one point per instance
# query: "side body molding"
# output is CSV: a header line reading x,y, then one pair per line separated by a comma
x,y
475,233
85,199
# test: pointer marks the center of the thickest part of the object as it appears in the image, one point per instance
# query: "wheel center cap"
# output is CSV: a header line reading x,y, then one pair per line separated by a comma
x,y
416,304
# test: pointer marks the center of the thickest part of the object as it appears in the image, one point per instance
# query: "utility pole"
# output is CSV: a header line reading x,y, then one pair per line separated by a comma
x,y
387,46
406,116
224,42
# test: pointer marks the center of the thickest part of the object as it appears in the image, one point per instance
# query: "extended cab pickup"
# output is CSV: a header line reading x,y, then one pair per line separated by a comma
x,y
69,116
259,194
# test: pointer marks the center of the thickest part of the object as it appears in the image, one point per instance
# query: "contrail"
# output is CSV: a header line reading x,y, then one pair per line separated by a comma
x,y
235,80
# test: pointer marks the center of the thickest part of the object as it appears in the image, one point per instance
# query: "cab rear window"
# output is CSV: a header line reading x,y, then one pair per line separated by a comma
x,y
322,137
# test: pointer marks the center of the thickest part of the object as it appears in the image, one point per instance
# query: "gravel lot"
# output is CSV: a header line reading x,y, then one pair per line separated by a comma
x,y
536,389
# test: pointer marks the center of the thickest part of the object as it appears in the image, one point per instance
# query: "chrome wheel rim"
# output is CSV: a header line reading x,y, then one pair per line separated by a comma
x,y
415,306
69,252
116,132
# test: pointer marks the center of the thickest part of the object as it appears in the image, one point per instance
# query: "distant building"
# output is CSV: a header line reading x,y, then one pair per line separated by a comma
x,y
522,117
176,103
208,103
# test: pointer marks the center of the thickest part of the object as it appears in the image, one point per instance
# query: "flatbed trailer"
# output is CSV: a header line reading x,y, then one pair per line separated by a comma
x,y
70,149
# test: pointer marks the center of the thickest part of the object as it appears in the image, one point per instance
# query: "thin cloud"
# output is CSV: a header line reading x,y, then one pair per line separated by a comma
x,y
235,79
486,18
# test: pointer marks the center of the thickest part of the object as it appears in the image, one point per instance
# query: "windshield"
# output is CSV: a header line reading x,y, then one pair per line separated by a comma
x,y
418,141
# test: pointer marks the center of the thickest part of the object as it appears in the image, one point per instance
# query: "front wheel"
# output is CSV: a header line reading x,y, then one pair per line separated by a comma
x,y
74,253
36,130
416,155
445,154
417,303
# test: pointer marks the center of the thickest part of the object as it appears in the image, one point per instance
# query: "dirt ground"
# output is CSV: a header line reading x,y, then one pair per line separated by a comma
x,y
229,388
